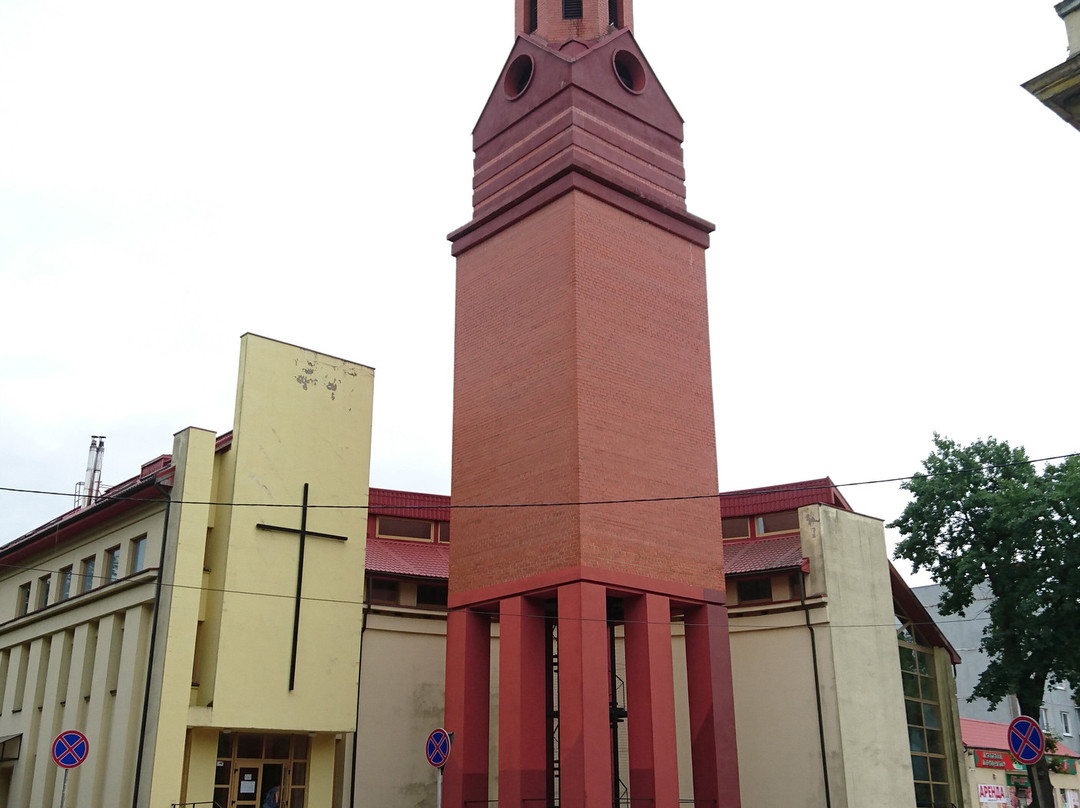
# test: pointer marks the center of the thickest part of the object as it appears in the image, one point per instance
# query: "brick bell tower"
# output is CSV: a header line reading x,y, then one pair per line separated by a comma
x,y
582,393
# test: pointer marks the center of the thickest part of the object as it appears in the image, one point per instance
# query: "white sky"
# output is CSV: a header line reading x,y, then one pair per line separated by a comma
x,y
894,253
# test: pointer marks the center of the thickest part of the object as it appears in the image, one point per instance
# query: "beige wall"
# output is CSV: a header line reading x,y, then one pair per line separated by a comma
x,y
401,702
78,664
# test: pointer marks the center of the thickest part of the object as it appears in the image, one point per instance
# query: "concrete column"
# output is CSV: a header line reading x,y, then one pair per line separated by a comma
x,y
522,704
468,688
584,732
712,708
650,703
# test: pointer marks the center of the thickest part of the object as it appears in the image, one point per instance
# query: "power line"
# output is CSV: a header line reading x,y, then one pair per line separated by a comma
x,y
106,497
490,613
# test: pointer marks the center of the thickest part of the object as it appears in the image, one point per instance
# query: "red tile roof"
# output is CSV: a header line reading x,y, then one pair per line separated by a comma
x,y
756,501
413,558
409,504
992,735
743,556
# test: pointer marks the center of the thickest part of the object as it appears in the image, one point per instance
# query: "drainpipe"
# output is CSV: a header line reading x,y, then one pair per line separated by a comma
x,y
359,678
153,642
817,690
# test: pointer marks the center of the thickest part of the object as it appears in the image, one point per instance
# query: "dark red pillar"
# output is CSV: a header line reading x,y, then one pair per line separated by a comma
x,y
468,685
584,732
714,756
523,665
650,703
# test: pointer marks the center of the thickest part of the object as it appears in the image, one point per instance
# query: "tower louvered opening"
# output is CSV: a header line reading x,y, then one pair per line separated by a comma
x,y
572,9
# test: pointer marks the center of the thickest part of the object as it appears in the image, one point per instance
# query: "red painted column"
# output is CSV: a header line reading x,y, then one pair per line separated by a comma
x,y
468,680
712,708
650,703
584,732
522,704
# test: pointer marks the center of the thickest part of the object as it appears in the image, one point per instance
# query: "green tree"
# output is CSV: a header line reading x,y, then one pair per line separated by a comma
x,y
984,513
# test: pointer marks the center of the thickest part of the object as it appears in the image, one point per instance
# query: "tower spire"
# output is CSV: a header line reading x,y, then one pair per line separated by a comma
x,y
560,20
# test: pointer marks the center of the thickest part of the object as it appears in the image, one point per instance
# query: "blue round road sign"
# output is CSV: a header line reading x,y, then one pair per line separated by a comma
x,y
1026,740
437,748
70,748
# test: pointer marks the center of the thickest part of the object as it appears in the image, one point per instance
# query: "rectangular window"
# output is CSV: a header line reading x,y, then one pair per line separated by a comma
x,y
22,606
736,527
138,555
112,564
431,596
778,522
381,590
391,528
44,584
1066,725
750,591
572,9
86,574
444,532
1044,719
65,583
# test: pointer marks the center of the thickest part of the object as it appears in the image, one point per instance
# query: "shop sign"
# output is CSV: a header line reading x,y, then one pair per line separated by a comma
x,y
992,793
1063,765
996,760
1017,780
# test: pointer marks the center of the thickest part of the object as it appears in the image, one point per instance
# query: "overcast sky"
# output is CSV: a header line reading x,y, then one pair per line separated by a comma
x,y
894,253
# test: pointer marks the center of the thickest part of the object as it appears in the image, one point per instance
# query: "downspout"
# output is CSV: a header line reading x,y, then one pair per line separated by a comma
x,y
817,690
153,642
359,679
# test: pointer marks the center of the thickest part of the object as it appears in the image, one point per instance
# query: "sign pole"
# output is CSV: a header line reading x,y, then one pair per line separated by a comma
x,y
63,790
438,789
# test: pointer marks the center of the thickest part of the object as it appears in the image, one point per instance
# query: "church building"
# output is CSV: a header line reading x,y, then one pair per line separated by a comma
x,y
200,623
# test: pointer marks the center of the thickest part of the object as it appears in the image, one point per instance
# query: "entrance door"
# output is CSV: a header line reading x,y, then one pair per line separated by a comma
x,y
245,790
272,774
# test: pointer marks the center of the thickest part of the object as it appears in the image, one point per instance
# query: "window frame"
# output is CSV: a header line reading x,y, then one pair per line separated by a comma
x,y
112,565
87,567
44,590
379,534
67,575
22,604
1066,724
137,554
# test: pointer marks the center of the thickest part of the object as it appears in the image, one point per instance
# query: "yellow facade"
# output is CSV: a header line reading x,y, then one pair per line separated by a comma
x,y
228,715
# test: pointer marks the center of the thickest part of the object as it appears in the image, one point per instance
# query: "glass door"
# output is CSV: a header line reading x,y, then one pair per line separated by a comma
x,y
246,779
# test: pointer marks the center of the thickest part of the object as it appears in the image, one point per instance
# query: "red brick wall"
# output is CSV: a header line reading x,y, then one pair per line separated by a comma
x,y
582,373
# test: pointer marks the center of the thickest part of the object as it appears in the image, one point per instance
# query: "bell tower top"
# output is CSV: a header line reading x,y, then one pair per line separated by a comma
x,y
560,20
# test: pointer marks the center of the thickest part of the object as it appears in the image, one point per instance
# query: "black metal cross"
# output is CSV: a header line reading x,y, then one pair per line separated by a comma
x,y
304,533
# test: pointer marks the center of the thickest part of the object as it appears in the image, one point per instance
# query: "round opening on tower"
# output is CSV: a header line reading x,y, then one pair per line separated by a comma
x,y
518,76
630,71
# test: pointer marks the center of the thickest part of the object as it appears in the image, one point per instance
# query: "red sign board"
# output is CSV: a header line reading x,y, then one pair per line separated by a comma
x,y
988,759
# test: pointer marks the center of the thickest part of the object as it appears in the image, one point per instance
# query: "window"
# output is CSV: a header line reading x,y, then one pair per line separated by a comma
x,y
86,575
758,590
22,606
926,736
112,564
65,583
572,9
431,596
735,527
778,522
44,584
382,590
137,555
444,532
1066,726
1044,719
391,528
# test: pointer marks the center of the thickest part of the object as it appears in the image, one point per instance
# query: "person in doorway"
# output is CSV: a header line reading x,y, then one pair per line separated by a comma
x,y
272,798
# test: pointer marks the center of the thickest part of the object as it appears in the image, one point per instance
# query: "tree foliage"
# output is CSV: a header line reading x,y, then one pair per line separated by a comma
x,y
984,514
